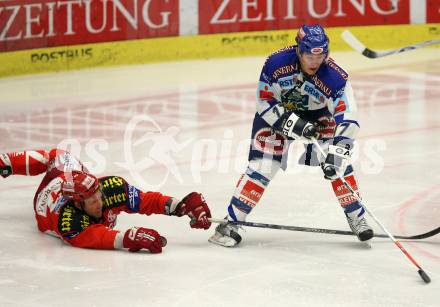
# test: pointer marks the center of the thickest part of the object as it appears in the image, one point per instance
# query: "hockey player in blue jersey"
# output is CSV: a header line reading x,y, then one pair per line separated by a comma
x,y
302,94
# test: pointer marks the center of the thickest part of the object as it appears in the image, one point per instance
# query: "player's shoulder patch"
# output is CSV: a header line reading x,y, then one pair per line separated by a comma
x,y
134,198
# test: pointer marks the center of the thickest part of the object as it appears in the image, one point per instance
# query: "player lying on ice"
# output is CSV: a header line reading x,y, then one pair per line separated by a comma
x,y
81,209
302,94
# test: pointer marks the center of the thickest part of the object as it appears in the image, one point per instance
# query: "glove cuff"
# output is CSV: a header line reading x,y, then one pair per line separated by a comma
x,y
119,239
171,206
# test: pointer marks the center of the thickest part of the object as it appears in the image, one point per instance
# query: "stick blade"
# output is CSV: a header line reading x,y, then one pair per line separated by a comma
x,y
352,41
424,276
370,53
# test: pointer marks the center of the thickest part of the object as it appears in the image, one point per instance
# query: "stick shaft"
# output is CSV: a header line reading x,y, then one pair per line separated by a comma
x,y
283,227
320,230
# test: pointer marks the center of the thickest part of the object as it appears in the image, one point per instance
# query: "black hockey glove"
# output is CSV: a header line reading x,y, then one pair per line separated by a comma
x,y
295,127
5,171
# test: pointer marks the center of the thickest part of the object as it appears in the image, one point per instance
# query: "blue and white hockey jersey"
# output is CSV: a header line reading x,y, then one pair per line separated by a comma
x,y
327,91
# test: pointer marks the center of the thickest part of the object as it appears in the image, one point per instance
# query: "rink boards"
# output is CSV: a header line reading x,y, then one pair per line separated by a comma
x,y
198,47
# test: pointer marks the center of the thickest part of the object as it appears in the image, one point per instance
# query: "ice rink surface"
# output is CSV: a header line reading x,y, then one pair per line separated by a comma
x,y
184,126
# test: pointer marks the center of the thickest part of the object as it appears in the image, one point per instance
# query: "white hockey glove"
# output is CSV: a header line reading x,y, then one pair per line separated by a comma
x,y
336,161
295,127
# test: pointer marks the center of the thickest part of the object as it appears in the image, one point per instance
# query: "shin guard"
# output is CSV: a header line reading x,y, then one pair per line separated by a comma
x,y
347,201
247,194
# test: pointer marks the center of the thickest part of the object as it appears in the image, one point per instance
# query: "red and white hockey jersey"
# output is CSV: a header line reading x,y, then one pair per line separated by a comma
x,y
57,215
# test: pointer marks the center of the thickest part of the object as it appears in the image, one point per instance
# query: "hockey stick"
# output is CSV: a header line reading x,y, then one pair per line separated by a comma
x,y
321,230
354,43
421,272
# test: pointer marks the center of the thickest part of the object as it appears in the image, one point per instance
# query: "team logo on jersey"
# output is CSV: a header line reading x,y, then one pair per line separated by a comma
x,y
265,93
270,142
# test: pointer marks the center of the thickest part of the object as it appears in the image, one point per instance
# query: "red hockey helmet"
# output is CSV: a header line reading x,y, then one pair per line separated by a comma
x,y
79,185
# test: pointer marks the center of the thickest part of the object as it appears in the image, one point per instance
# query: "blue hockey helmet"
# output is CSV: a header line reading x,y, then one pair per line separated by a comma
x,y
312,39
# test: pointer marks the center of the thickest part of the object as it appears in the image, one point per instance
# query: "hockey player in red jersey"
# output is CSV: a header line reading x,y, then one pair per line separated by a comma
x,y
82,210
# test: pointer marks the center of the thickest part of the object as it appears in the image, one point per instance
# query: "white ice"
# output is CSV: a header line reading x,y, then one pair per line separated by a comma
x,y
112,117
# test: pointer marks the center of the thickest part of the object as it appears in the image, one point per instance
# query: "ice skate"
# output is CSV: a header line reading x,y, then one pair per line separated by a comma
x,y
226,235
359,225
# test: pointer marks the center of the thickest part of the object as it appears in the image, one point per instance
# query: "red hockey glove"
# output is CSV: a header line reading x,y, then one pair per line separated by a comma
x,y
194,205
325,126
137,238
